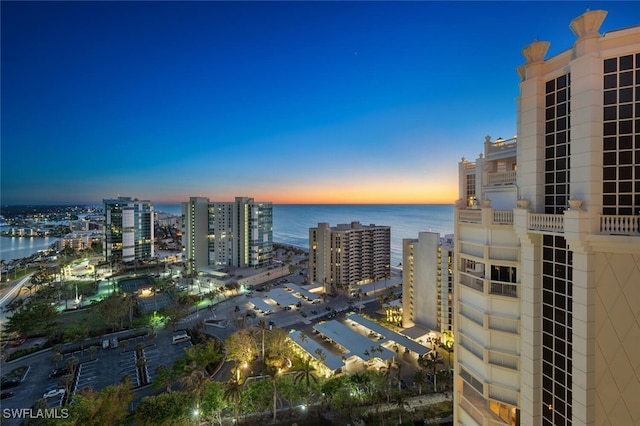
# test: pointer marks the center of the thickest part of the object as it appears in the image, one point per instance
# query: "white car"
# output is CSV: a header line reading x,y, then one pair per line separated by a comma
x,y
53,392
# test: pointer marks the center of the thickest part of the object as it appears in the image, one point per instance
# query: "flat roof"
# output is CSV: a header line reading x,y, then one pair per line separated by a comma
x,y
283,297
304,293
354,342
260,304
390,335
333,362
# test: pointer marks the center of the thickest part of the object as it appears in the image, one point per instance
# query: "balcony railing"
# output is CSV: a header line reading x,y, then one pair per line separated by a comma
x,y
472,282
503,289
501,178
620,225
501,145
503,360
503,217
508,325
546,222
471,410
470,215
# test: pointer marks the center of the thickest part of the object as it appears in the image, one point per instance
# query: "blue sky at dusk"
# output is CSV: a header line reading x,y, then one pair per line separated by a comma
x,y
290,102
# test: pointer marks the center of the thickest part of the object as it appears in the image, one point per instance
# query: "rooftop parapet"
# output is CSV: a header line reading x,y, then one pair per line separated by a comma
x,y
500,146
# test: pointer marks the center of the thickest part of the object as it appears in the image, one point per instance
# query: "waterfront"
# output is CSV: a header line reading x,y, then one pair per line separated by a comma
x,y
12,248
291,222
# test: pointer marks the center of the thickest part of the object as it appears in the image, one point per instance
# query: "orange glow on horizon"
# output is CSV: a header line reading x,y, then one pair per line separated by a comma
x,y
388,192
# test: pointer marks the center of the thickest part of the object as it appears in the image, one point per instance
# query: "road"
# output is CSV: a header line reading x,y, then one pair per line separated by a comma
x,y
8,293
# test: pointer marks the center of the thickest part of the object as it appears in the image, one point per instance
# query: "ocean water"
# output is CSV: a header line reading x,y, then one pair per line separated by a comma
x,y
291,222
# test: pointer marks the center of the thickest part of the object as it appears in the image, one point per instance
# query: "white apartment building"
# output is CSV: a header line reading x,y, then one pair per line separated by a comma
x,y
547,245
345,256
427,281
128,229
219,234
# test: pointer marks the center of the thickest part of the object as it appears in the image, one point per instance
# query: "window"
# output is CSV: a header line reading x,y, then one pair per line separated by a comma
x,y
557,137
621,114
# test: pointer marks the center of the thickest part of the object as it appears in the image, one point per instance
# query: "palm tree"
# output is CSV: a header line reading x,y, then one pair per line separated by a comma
x,y
233,395
305,373
193,381
429,361
92,351
72,364
262,326
402,404
56,358
164,377
273,373
418,377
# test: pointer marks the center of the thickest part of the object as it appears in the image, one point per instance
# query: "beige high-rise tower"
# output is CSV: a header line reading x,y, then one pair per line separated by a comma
x,y
345,256
547,245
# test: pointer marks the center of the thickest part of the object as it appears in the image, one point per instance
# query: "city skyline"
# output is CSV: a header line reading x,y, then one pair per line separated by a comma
x,y
289,102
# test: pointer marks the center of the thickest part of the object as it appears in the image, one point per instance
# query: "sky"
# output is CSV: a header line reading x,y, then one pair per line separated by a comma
x,y
288,102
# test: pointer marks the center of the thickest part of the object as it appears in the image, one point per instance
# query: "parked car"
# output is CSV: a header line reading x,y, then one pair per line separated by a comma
x,y
59,372
53,392
6,394
18,343
11,383
304,315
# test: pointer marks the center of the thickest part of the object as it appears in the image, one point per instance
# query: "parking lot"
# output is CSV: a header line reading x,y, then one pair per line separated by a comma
x,y
96,370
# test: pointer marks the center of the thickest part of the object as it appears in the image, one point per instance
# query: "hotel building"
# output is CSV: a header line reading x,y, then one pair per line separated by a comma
x,y
348,255
219,234
128,229
547,245
427,281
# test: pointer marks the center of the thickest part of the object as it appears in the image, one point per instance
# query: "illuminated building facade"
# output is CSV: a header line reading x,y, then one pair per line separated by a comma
x,y
219,234
348,255
427,281
547,254
128,230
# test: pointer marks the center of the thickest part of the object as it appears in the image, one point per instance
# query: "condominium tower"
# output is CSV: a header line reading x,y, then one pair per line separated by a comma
x,y
348,255
128,229
547,245
427,281
219,234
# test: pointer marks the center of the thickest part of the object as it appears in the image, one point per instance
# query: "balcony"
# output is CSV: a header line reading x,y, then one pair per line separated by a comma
x,y
501,178
500,146
475,215
503,217
472,282
470,215
503,289
619,225
551,223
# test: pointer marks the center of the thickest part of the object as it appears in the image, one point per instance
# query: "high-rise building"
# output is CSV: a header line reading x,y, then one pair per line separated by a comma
x,y
547,253
427,281
348,255
218,234
128,229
